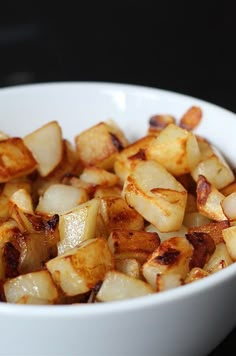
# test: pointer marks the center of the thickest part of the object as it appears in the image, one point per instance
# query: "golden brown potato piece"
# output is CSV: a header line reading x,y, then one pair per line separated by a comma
x,y
176,149
191,118
25,288
102,151
46,146
99,176
116,214
152,191
214,229
79,270
118,286
171,257
16,159
209,200
133,244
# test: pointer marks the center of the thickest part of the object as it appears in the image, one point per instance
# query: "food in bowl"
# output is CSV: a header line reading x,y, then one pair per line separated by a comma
x,y
111,219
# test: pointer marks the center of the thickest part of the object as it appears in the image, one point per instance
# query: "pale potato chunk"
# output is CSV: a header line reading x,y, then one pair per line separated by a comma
x,y
168,281
46,144
118,286
156,195
171,257
166,235
229,236
78,225
60,198
31,285
219,259
78,270
229,206
176,149
23,200
195,274
129,266
99,176
16,159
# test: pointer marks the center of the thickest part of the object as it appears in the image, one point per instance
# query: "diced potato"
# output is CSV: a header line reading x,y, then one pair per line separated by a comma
x,y
78,225
99,176
31,285
171,257
216,171
156,195
46,146
205,147
133,244
78,270
60,198
119,286
166,235
159,122
16,159
229,206
102,151
129,266
176,149
214,229
131,155
168,281
209,200
116,214
229,236
219,260
195,274
191,118
22,199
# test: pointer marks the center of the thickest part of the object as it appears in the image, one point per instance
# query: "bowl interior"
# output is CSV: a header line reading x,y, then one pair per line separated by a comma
x,y
77,106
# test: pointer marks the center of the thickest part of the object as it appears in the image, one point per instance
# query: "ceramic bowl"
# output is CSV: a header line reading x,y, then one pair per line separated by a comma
x,y
189,320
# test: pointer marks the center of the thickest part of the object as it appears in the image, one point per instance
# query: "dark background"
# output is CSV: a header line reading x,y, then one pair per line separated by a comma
x,y
185,46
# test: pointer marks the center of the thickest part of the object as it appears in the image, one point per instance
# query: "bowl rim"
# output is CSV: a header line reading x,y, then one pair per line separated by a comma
x,y
124,306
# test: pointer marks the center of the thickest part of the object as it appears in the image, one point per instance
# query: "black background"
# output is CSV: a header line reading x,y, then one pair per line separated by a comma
x,y
185,46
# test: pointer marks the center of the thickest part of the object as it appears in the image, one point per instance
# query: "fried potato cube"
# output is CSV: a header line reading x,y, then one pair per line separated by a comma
x,y
129,266
229,236
46,145
209,200
78,225
78,270
16,159
176,149
132,154
22,199
33,285
168,281
159,122
191,118
116,214
219,260
216,171
60,198
133,244
99,176
98,145
119,286
152,191
171,257
195,274
214,229
229,206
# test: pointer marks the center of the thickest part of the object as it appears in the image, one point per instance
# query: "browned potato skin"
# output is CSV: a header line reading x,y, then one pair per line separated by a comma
x,y
191,119
214,229
16,159
133,244
204,247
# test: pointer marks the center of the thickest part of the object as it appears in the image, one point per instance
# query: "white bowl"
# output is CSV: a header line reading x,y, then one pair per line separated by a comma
x,y
189,320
